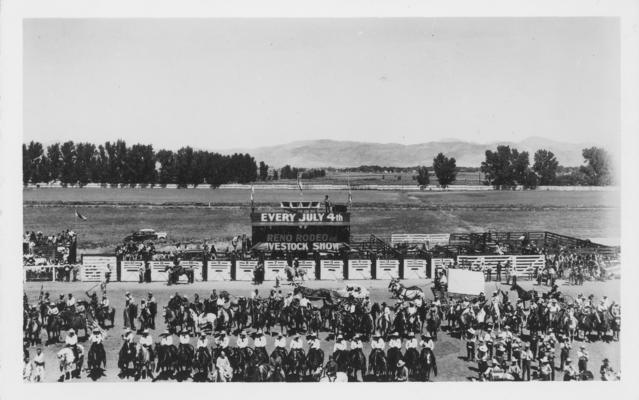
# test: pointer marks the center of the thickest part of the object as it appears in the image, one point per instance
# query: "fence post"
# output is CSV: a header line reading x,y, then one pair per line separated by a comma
x,y
205,268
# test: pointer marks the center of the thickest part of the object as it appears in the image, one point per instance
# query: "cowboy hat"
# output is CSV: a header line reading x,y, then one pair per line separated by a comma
x,y
340,337
71,330
145,331
400,363
471,331
96,330
544,360
411,334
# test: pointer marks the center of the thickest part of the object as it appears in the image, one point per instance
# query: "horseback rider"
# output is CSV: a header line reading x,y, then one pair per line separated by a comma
x,y
280,345
93,300
70,303
222,341
411,343
356,345
378,342
203,343
146,341
314,343
339,348
260,345
166,339
242,342
71,340
296,344
427,341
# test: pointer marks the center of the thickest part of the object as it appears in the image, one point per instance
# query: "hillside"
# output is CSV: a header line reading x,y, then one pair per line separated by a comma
x,y
325,153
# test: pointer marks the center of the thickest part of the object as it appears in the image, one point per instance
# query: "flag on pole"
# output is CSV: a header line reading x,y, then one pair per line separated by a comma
x,y
350,195
252,192
299,182
82,217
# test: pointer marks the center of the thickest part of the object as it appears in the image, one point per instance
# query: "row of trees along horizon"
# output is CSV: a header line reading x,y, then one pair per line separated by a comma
x,y
116,163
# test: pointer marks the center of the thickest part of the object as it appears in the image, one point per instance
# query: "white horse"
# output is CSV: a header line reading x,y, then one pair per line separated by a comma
x,y
68,362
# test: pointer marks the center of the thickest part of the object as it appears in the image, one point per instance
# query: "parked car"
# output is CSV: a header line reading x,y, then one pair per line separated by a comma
x,y
145,234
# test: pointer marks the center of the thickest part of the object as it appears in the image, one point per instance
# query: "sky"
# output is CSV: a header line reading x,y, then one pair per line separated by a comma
x,y
245,83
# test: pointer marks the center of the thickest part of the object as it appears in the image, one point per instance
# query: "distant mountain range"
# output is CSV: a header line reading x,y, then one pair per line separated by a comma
x,y
341,154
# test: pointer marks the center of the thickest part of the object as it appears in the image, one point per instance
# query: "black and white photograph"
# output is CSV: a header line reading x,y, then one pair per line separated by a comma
x,y
315,200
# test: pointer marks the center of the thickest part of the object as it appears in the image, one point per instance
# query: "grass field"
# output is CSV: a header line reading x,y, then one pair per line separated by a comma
x,y
527,199
450,352
185,215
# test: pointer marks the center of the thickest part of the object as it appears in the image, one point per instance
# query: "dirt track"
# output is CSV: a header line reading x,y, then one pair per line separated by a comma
x,y
449,351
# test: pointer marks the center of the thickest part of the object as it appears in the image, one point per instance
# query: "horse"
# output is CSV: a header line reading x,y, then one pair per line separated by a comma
x,y
144,364
314,360
383,325
366,324
166,359
33,328
174,274
405,293
145,319
315,324
522,294
393,356
96,360
185,354
411,357
427,363
433,321
54,325
357,363
315,294
126,356
378,365
76,321
295,364
202,364
103,314
70,366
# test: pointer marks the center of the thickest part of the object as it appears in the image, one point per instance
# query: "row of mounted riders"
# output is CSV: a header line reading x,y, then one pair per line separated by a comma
x,y
573,321
81,316
255,365
348,317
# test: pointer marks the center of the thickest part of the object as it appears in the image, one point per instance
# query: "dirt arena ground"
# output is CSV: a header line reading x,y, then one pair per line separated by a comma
x,y
450,352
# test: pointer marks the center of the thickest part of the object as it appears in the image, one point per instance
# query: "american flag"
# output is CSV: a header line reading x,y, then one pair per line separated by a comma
x,y
299,182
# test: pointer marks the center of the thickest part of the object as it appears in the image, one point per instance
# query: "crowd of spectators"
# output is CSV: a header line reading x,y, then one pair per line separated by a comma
x,y
54,249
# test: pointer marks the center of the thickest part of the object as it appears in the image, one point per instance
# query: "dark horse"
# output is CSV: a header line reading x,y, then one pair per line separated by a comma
x,y
378,365
357,363
295,364
202,364
522,294
316,294
427,363
96,360
177,271
166,359
126,356
185,355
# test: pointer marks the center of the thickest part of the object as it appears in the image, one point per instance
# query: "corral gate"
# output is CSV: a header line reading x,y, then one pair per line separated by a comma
x,y
521,265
